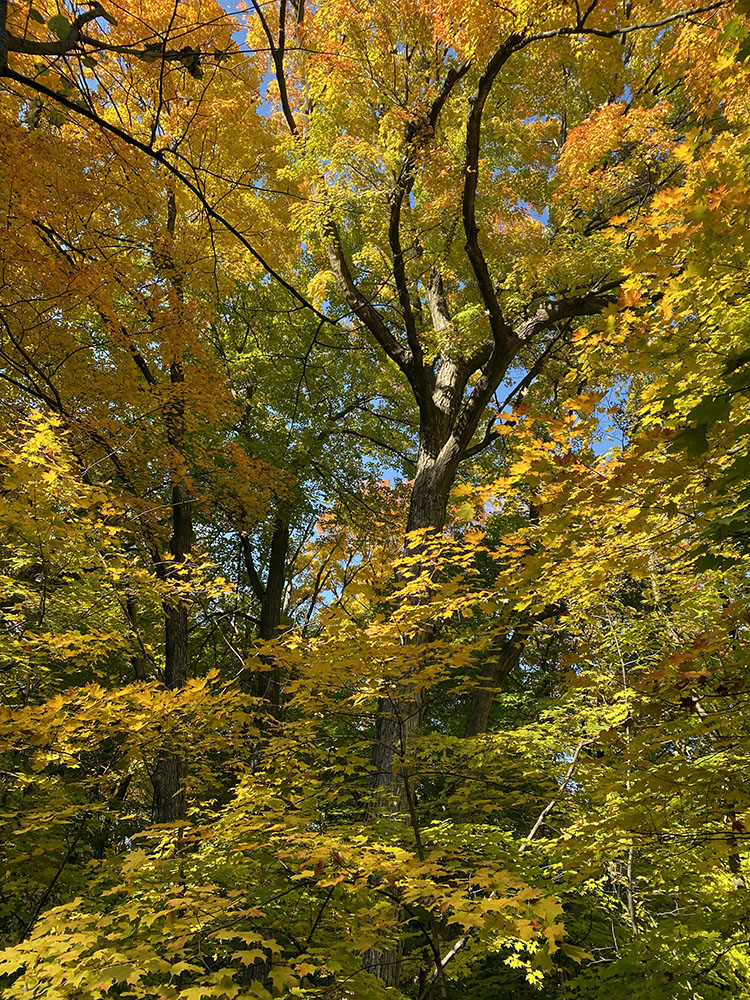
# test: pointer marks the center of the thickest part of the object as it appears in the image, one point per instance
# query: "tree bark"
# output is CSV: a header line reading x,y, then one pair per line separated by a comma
x,y
269,683
4,37
399,716
169,795
138,660
176,630
429,496
492,675
271,597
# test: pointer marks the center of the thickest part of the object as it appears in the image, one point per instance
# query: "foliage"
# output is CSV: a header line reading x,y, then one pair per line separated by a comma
x,y
373,540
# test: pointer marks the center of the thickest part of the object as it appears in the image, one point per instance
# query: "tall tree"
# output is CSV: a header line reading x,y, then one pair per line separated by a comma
x,y
490,226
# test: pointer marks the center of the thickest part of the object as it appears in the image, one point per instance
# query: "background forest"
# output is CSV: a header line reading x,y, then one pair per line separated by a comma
x,y
374,546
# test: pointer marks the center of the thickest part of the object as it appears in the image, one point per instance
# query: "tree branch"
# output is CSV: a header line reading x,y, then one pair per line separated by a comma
x,y
362,309
501,332
29,47
376,441
551,804
491,435
581,29
247,552
418,134
449,955
277,56
547,315
550,313
159,156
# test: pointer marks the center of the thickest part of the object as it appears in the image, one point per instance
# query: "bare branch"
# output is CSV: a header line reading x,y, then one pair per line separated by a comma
x,y
500,329
277,55
581,29
59,47
363,309
376,441
417,135
547,315
491,435
552,311
447,957
563,785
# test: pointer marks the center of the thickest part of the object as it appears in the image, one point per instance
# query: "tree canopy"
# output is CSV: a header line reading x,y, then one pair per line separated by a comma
x,y
374,547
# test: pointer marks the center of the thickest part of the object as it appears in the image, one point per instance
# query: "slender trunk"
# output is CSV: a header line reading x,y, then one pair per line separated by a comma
x,y
630,890
138,660
493,673
270,613
733,858
169,795
3,34
271,596
176,631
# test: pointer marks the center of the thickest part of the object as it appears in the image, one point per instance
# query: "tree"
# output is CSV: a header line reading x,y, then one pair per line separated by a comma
x,y
224,313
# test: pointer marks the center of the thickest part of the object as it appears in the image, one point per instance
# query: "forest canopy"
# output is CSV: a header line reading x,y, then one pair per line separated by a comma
x,y
374,499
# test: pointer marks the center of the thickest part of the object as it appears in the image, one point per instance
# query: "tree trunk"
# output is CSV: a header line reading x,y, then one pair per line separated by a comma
x,y
138,660
271,596
386,965
429,496
176,637
492,675
269,686
169,796
399,716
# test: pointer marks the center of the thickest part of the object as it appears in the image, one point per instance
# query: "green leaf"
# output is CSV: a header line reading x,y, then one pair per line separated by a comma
x,y
693,441
281,977
739,469
710,410
59,25
574,952
465,512
34,15
89,62
66,87
710,561
734,29
737,362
